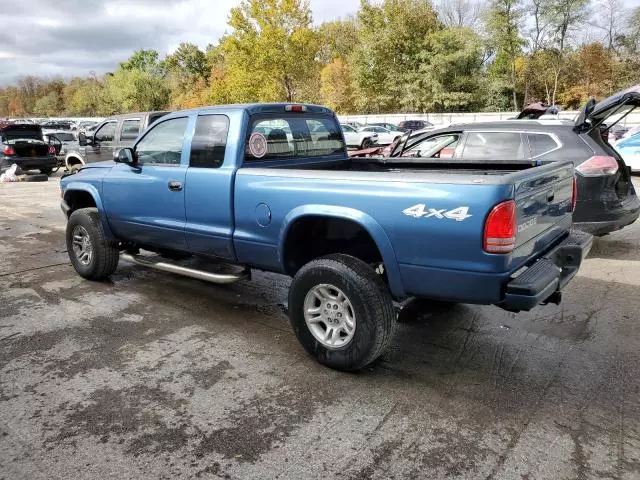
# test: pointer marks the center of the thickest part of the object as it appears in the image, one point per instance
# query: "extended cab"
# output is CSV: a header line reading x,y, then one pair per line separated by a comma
x,y
270,187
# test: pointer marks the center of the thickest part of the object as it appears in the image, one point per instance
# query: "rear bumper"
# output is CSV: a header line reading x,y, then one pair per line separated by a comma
x,y
612,220
28,163
542,281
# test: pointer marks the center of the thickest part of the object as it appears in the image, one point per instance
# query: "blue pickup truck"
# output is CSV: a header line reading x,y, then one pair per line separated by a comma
x,y
214,192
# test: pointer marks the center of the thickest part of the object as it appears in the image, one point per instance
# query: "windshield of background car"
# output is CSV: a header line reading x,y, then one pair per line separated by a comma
x,y
64,137
274,137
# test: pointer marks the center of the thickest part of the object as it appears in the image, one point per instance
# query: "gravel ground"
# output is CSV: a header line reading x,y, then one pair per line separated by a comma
x,y
157,376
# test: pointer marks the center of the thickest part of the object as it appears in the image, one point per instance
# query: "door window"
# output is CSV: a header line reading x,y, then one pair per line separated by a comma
x,y
494,146
163,143
209,141
130,129
106,133
441,146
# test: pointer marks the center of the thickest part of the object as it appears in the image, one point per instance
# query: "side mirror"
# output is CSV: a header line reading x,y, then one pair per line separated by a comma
x,y
125,155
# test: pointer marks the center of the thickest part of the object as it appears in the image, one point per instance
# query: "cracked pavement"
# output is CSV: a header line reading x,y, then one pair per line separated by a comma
x,y
153,375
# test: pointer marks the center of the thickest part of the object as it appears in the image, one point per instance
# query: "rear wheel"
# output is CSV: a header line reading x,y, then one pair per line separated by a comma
x,y
341,312
46,171
92,256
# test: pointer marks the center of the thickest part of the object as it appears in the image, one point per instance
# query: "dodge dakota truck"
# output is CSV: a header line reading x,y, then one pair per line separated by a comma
x,y
215,192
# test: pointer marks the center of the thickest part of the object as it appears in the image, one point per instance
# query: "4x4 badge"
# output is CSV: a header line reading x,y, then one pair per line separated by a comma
x,y
421,211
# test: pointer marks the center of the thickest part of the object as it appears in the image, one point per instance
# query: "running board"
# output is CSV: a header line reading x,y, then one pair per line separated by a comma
x,y
222,278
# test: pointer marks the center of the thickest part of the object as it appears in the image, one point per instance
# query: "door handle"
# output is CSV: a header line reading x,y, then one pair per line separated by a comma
x,y
175,186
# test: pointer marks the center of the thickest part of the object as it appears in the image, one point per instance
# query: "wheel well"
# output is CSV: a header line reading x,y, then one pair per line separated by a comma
x,y
73,160
79,199
313,237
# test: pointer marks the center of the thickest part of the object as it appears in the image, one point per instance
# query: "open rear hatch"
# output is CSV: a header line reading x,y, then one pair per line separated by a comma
x,y
25,139
597,118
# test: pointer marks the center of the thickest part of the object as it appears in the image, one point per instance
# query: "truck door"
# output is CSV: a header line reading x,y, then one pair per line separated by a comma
x,y
208,197
102,144
145,202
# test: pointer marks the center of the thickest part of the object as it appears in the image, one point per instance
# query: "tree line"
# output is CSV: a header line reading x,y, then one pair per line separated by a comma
x,y
391,56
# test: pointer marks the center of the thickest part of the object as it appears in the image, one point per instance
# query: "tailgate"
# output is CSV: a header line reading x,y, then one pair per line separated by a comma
x,y
543,198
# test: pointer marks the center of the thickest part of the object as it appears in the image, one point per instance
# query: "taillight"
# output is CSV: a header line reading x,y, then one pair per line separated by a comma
x,y
52,150
574,197
597,166
295,108
8,151
500,228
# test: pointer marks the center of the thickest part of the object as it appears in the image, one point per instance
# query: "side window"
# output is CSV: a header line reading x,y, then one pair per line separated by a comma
x,y
163,143
441,146
541,143
130,129
347,128
494,146
209,141
106,133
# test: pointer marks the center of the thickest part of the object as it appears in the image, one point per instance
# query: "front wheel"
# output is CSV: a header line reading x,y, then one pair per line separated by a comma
x,y
341,312
92,256
367,143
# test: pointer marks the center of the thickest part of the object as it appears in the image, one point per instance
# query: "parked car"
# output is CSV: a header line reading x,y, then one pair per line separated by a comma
x,y
68,152
24,145
629,150
358,139
389,126
111,135
606,200
307,211
415,125
385,136
58,125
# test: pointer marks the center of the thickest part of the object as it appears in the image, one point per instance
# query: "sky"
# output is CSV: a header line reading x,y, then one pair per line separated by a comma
x,y
76,37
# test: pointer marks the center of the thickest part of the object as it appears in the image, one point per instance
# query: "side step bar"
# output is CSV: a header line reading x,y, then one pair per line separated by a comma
x,y
221,278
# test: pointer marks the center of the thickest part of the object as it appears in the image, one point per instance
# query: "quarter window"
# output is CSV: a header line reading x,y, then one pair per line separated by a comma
x,y
541,143
130,129
163,143
209,141
107,132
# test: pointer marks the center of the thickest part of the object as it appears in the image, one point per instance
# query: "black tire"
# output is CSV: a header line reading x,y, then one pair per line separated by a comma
x,y
46,171
375,317
40,177
105,254
366,143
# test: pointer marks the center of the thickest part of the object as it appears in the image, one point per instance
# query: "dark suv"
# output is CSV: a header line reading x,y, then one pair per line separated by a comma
x,y
606,199
414,125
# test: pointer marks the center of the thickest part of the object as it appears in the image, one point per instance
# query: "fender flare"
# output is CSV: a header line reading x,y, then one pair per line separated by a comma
x,y
73,155
370,225
91,190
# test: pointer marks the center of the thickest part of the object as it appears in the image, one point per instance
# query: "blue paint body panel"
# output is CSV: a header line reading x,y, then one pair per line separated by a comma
x,y
243,212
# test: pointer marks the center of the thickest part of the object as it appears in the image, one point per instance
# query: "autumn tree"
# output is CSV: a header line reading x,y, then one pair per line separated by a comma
x,y
269,54
503,26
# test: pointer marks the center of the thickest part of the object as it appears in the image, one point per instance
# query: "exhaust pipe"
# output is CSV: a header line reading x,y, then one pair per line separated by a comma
x,y
220,278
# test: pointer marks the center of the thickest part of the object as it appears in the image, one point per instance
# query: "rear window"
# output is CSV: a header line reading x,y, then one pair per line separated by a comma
x,y
293,136
64,137
494,146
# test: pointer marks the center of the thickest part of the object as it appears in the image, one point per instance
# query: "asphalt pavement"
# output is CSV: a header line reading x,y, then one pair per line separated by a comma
x,y
152,375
